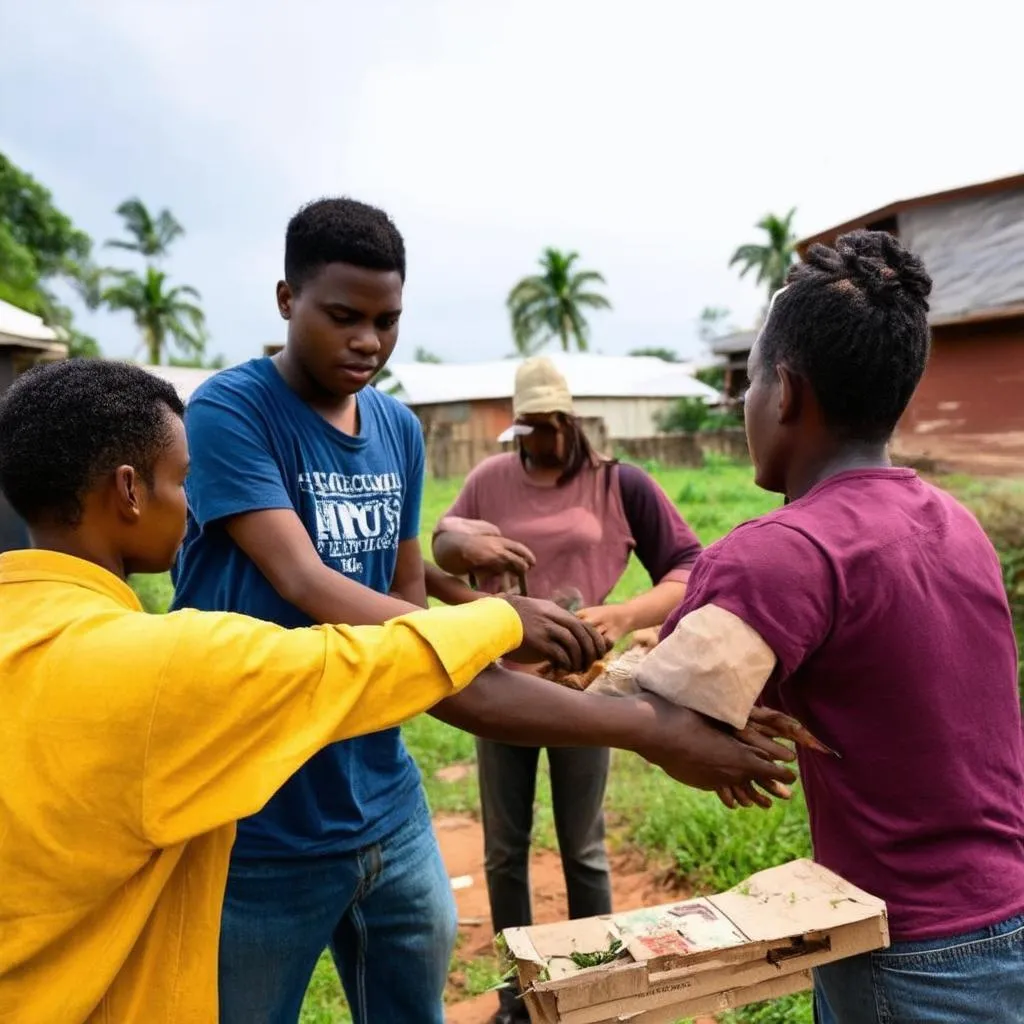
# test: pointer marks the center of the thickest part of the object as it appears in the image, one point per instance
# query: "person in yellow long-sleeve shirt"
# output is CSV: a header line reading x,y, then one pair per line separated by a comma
x,y
132,742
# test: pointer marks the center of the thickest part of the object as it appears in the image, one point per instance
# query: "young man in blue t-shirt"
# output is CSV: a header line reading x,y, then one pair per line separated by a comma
x,y
304,500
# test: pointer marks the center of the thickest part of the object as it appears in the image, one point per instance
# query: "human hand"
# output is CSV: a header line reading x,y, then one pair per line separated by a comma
x,y
762,729
493,555
645,638
612,621
695,751
556,636
457,524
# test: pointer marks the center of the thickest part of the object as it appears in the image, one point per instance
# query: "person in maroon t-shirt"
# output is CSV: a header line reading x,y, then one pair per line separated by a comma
x,y
879,602
566,521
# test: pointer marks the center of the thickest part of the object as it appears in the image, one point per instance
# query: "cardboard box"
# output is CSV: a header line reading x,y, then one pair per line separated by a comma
x,y
757,941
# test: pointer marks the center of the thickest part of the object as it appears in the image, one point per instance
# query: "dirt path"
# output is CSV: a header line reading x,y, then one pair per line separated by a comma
x,y
461,839
986,455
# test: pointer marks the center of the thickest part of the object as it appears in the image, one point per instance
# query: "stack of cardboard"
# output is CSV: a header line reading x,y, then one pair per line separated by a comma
x,y
757,941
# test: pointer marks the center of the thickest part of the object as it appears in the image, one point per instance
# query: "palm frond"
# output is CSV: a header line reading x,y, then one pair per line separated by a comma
x,y
117,243
150,236
772,260
586,277
161,313
593,300
167,228
549,305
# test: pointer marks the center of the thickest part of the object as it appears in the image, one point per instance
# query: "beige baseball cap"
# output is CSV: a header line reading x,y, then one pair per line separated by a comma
x,y
540,389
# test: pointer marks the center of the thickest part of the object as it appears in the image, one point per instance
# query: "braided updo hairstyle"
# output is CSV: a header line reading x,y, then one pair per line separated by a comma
x,y
853,321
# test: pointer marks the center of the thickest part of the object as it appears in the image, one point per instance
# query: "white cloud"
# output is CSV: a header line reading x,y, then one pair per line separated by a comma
x,y
649,136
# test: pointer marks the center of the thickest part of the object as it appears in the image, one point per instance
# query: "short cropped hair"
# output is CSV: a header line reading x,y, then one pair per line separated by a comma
x,y
340,231
65,425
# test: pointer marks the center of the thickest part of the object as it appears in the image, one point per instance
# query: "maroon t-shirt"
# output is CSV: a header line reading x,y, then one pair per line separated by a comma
x,y
582,533
883,601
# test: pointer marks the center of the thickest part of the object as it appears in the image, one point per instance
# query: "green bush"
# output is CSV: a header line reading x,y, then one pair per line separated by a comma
x,y
796,1009
155,592
999,506
721,419
685,416
689,415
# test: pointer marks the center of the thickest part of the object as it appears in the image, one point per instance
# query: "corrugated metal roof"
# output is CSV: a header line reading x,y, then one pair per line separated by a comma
x,y
20,328
588,376
185,379
982,188
741,341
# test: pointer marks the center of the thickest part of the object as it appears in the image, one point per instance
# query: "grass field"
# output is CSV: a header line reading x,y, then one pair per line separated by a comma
x,y
709,846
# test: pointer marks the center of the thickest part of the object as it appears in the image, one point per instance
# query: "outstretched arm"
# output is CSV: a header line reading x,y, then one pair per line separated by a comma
x,y
448,589
515,708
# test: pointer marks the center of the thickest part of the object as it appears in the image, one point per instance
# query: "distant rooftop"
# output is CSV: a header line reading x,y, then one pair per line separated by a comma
x,y
733,344
184,379
26,330
588,376
885,213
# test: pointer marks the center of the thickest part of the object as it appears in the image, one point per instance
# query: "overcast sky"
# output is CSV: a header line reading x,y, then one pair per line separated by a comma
x,y
650,138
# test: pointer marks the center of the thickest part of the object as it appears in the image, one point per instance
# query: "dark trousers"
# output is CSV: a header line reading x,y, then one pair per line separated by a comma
x,y
508,783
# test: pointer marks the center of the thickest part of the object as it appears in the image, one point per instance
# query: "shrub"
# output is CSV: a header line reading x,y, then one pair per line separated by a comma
x,y
796,1009
155,592
685,416
999,507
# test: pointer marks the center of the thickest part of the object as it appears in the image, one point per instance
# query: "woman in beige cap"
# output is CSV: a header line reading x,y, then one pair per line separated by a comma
x,y
564,521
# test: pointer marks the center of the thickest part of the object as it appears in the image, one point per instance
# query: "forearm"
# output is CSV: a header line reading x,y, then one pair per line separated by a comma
x,y
449,553
511,707
279,545
654,606
328,596
446,588
410,582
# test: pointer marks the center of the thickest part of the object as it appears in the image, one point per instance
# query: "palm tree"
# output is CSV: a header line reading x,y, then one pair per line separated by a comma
x,y
150,236
550,304
772,259
162,314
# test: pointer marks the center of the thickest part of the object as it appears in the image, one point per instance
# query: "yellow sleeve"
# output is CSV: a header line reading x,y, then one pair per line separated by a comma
x,y
243,704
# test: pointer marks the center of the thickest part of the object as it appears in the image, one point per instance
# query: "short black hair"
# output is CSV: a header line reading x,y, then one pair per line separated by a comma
x,y
65,425
853,321
340,231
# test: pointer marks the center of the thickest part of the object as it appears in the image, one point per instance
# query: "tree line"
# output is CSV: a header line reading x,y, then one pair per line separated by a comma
x,y
41,249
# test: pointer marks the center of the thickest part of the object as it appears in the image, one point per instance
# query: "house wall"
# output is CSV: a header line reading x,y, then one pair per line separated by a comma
x,y
624,417
969,407
736,379
12,530
7,373
458,435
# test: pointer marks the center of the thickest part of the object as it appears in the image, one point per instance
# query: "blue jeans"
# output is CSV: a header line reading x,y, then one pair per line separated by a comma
x,y
977,978
387,914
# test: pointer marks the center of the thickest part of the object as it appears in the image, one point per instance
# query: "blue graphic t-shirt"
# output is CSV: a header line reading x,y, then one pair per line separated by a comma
x,y
255,445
